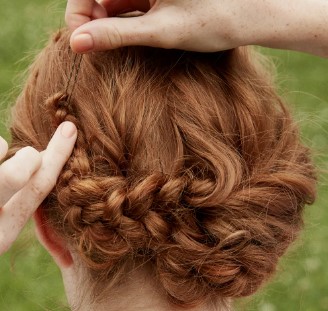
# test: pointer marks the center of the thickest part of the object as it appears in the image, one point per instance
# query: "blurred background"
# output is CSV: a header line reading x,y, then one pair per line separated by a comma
x,y
30,281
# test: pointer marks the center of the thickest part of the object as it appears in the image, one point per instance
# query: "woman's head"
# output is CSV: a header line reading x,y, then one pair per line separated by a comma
x,y
188,163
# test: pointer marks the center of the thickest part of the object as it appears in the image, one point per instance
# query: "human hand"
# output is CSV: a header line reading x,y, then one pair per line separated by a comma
x,y
207,25
203,26
27,178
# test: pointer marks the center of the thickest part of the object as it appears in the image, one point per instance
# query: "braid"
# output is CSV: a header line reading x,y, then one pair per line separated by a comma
x,y
196,169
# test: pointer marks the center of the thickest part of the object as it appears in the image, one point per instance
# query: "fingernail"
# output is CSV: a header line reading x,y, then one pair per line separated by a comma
x,y
68,129
83,42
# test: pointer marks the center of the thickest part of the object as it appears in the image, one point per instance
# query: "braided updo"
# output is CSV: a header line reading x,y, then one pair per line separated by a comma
x,y
187,161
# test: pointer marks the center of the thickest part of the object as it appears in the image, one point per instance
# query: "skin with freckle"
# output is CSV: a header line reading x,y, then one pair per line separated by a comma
x,y
205,26
27,178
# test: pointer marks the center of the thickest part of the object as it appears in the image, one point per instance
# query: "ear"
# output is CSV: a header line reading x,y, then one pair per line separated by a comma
x,y
54,244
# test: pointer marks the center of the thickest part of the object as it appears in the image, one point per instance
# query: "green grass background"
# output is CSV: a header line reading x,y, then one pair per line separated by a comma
x,y
28,278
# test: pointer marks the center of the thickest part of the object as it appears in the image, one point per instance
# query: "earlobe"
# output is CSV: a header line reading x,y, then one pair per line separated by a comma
x,y
51,241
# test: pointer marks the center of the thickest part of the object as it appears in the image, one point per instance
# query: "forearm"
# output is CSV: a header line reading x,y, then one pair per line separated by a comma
x,y
300,25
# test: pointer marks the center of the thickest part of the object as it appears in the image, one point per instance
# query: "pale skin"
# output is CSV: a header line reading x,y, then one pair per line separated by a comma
x,y
204,26
139,291
27,178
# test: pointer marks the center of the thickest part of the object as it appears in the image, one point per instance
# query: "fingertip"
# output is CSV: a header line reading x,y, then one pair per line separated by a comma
x,y
82,43
63,141
112,33
32,154
28,150
68,129
74,21
17,171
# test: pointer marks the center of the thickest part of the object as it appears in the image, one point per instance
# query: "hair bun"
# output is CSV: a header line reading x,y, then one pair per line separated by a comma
x,y
226,250
190,162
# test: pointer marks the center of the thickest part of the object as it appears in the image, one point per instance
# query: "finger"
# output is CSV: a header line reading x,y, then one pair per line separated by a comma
x,y
3,148
98,11
79,12
111,33
116,7
17,171
23,204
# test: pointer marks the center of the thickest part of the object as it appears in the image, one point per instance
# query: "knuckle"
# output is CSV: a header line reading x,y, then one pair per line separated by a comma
x,y
58,157
167,38
37,190
75,20
51,183
114,38
41,190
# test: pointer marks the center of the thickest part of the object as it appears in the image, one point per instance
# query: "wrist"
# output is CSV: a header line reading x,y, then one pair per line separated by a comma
x,y
298,25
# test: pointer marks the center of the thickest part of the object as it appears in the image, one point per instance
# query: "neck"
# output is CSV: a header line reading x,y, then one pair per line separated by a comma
x,y
138,292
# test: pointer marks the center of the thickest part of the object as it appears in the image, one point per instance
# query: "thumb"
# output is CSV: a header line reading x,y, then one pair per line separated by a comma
x,y
111,33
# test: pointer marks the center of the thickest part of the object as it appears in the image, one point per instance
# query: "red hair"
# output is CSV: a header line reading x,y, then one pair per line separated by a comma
x,y
188,161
